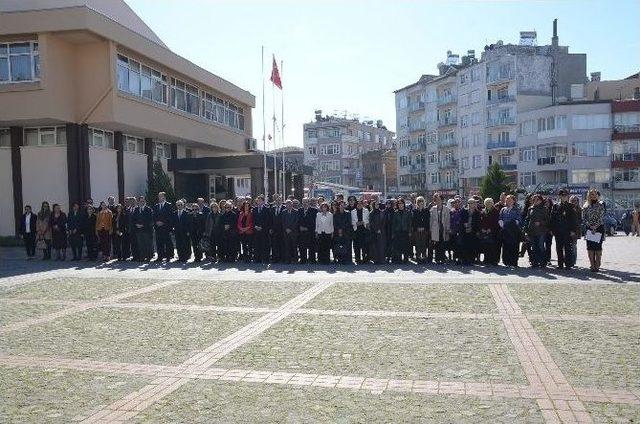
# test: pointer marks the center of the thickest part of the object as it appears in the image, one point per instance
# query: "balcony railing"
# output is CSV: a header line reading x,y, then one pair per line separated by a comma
x,y
552,160
500,121
418,126
500,100
417,167
625,160
500,77
626,185
508,166
626,128
414,107
419,146
448,164
445,100
447,121
449,186
447,142
493,145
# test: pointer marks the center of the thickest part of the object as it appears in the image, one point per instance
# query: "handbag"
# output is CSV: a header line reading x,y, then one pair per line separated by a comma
x,y
40,244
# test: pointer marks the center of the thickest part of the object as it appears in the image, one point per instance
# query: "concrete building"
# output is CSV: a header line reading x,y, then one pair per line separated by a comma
x,y
90,97
333,147
473,105
380,170
625,160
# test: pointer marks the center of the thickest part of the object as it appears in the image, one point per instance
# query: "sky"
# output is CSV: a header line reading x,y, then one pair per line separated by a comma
x,y
351,55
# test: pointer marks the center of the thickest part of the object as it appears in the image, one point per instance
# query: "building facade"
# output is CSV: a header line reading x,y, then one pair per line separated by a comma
x,y
380,171
90,97
333,147
625,158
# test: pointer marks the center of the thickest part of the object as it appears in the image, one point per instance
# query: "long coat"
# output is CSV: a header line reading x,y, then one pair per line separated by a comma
x,y
446,223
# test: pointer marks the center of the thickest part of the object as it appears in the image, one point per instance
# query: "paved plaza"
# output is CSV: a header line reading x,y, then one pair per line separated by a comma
x,y
115,342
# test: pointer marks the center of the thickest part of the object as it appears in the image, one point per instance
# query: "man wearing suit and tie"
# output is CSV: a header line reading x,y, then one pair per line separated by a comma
x,y
262,221
276,231
306,236
290,227
181,229
143,230
162,216
28,231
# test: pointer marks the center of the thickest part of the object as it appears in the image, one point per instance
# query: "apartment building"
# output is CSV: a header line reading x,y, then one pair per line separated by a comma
x,y
90,97
625,159
379,170
333,147
474,105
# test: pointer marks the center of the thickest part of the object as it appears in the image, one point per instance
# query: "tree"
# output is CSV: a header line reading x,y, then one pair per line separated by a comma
x,y
160,181
494,183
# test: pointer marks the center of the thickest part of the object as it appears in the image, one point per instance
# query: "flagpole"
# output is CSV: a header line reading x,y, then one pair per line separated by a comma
x,y
282,128
275,154
264,138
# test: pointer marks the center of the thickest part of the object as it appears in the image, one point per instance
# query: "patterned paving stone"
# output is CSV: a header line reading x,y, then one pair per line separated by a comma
x,y
435,349
227,293
205,402
471,298
613,413
579,299
16,312
594,354
126,335
58,396
70,288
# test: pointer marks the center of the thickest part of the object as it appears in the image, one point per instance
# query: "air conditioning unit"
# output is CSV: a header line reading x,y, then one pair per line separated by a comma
x,y
252,144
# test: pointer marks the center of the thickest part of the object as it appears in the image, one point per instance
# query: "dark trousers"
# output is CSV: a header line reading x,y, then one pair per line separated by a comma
x,y
360,246
491,250
538,249
105,243
75,241
144,246
401,247
277,247
164,245
324,248
564,250
439,248
92,246
126,245
195,243
510,253
246,241
307,246
420,241
289,247
548,240
261,246
468,248
118,246
183,245
229,247
30,244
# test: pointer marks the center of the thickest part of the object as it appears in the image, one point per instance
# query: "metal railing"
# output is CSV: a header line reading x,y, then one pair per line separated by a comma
x,y
500,77
448,164
502,120
552,160
491,144
499,100
448,121
414,107
445,100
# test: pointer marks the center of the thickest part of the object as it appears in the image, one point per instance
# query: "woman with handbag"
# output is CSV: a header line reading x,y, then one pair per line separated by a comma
x,y
59,232
593,215
43,231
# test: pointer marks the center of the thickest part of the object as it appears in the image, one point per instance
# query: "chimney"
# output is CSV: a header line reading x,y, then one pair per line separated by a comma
x,y
595,76
554,39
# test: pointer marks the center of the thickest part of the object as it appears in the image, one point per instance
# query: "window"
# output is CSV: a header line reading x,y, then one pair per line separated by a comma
x,y
435,178
433,157
542,124
465,163
589,122
592,149
213,108
312,150
5,137
528,154
464,142
404,161
161,150
312,133
463,78
235,116
464,121
503,137
188,153
45,136
587,176
133,144
527,179
477,161
19,62
550,154
329,165
626,175
476,140
475,74
184,97
475,96
526,127
141,80
475,118
100,138
367,136
330,149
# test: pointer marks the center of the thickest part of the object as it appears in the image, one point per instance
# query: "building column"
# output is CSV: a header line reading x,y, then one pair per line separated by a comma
x,y
148,150
17,140
85,165
174,151
257,182
118,143
73,163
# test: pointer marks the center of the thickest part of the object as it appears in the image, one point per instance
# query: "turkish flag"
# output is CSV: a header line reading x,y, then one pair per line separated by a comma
x,y
275,74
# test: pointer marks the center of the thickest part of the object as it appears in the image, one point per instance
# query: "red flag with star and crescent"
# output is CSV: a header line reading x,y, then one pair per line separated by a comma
x,y
275,74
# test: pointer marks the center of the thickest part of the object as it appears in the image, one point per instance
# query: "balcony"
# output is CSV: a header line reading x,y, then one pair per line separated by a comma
x,y
415,107
417,167
508,166
501,121
626,185
498,100
448,164
446,100
498,145
447,142
500,77
625,160
418,146
552,160
449,186
417,126
348,171
625,132
448,122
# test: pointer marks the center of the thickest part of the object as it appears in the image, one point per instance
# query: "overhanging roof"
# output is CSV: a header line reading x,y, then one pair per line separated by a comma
x,y
220,163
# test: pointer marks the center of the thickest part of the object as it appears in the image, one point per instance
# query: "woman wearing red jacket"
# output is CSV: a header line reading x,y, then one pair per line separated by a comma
x,y
245,230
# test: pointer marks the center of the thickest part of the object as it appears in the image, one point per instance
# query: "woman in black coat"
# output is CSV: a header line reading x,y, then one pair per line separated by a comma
x,y
198,224
342,235
75,227
90,235
58,223
468,233
229,234
377,233
119,230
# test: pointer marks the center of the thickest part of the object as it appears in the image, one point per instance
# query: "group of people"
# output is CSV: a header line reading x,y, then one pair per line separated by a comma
x,y
314,230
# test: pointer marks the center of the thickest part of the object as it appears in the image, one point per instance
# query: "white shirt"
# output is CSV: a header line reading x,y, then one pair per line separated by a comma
x,y
27,223
324,223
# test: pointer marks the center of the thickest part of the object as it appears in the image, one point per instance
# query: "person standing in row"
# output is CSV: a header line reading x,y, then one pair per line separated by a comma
x,y
342,235
43,230
181,225
162,213
420,224
563,225
245,230
59,232
262,221
276,234
509,221
198,225
104,229
593,216
490,233
143,230
306,235
75,224
290,227
468,233
119,232
360,224
401,233
90,234
28,229
377,233
324,232
229,233
440,228
130,240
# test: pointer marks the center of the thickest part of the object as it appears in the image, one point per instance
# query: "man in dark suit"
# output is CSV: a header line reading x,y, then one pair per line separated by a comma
x,y
129,240
202,205
290,227
262,221
181,229
28,231
306,236
143,224
162,216
276,232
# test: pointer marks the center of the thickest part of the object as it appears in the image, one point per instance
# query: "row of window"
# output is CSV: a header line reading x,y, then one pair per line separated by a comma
x,y
143,81
329,165
19,62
